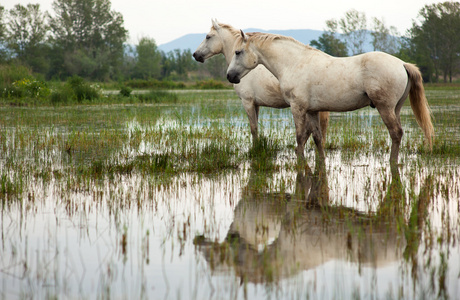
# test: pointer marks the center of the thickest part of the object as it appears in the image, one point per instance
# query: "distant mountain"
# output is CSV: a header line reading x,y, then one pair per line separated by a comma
x,y
188,41
192,41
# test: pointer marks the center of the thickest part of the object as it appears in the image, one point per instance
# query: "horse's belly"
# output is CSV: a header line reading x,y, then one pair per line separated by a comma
x,y
339,102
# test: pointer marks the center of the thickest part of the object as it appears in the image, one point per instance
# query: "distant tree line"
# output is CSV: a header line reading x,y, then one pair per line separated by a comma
x,y
87,38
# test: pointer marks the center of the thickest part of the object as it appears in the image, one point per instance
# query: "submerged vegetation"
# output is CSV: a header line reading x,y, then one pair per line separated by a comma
x,y
165,187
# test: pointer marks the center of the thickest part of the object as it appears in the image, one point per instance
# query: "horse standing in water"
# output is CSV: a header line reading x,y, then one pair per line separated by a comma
x,y
259,88
312,81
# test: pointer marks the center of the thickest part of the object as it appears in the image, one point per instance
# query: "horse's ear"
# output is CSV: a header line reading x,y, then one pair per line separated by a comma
x,y
215,24
245,38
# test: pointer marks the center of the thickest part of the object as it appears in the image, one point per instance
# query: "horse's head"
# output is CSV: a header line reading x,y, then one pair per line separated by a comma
x,y
211,45
244,60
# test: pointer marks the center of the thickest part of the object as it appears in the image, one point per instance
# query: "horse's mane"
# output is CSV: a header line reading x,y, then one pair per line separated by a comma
x,y
230,28
260,38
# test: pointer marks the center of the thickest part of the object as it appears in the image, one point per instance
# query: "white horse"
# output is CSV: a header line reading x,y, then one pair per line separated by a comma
x,y
312,81
260,88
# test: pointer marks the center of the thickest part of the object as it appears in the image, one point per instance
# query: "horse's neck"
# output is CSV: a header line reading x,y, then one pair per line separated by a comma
x,y
282,56
228,41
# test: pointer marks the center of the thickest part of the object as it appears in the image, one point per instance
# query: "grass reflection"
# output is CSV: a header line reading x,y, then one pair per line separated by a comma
x,y
177,201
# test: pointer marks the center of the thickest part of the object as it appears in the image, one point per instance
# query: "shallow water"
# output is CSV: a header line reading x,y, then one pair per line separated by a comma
x,y
351,228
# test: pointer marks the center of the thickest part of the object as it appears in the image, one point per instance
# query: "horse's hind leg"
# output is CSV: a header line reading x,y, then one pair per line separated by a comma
x,y
324,121
393,123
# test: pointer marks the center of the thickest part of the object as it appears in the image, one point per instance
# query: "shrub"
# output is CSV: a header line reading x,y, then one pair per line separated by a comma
x,y
75,89
125,91
62,95
82,89
17,81
12,73
29,88
154,84
211,85
157,97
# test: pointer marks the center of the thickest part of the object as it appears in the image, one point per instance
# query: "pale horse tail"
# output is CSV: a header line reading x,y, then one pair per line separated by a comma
x,y
419,103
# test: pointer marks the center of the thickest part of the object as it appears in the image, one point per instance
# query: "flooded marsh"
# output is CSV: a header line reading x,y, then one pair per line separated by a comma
x,y
174,201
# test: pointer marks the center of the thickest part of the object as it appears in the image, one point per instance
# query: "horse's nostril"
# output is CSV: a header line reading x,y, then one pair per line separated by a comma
x,y
233,78
198,57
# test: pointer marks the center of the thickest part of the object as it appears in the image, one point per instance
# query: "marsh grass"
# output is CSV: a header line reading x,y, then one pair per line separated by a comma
x,y
108,175
155,96
154,163
143,164
213,157
174,153
264,147
10,189
442,86
441,148
263,153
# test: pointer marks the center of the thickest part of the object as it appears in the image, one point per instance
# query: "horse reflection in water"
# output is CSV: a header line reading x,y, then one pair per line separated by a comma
x,y
276,235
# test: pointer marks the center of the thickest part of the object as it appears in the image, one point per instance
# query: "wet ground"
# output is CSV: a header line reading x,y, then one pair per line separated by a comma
x,y
125,202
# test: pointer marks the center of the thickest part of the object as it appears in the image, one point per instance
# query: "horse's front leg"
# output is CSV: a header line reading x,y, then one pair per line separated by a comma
x,y
315,127
252,111
302,128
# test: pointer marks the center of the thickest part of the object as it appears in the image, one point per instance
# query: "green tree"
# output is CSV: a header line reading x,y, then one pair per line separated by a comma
x,y
166,64
329,42
2,34
129,62
2,24
26,35
90,37
177,63
354,29
184,61
436,38
148,59
385,38
409,53
217,67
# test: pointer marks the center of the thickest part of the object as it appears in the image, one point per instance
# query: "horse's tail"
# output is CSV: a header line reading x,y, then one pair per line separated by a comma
x,y
419,103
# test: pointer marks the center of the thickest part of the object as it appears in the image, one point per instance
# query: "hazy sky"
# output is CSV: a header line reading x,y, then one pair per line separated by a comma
x,y
167,20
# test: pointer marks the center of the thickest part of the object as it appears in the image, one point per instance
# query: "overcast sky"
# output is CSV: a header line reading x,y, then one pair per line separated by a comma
x,y
166,20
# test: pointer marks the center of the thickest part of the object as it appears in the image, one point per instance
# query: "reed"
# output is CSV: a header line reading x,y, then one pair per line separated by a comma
x,y
134,200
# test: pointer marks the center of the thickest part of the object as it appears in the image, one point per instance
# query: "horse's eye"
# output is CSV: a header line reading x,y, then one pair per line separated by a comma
x,y
237,52
208,37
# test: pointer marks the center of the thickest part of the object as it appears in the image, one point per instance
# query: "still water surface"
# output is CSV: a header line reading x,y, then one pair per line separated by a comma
x,y
351,228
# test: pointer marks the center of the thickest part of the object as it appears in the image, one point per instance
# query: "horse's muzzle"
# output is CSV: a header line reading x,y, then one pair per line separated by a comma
x,y
198,57
233,77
